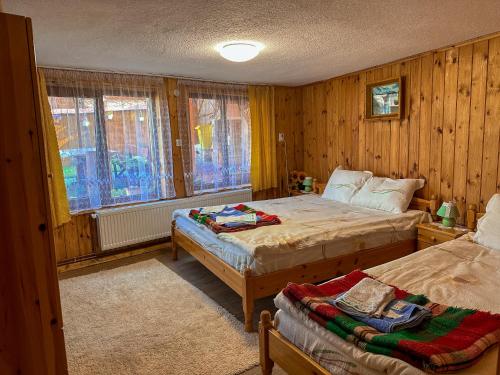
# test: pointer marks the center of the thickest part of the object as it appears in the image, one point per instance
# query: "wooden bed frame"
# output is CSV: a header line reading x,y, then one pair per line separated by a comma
x,y
473,216
251,287
275,348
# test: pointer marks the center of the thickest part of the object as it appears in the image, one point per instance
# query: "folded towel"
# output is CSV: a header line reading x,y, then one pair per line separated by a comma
x,y
369,297
237,219
212,209
397,315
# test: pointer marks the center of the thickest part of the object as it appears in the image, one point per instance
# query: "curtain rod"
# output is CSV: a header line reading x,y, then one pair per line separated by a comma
x,y
151,75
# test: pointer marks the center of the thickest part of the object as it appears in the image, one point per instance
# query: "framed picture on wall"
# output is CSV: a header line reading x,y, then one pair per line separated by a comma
x,y
384,99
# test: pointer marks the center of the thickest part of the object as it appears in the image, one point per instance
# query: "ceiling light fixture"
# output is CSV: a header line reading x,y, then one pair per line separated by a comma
x,y
239,51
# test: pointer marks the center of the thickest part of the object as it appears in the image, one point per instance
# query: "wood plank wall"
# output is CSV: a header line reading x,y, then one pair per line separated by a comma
x,y
74,240
448,135
288,120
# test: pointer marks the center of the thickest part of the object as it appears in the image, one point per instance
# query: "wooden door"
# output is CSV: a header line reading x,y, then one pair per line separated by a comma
x,y
31,336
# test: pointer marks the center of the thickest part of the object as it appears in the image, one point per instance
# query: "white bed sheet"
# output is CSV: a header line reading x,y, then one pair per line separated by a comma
x,y
459,273
312,229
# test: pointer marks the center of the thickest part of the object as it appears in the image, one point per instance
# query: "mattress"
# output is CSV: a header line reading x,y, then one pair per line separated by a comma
x,y
458,272
312,229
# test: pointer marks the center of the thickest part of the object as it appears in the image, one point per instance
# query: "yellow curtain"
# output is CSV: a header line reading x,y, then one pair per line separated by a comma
x,y
57,189
263,167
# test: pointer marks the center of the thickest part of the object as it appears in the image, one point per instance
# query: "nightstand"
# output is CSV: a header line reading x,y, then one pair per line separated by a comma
x,y
296,193
430,234
317,188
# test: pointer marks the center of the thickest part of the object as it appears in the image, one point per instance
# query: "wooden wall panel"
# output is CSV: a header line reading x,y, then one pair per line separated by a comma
x,y
288,120
436,124
476,121
449,133
462,126
172,98
449,119
362,148
413,105
74,239
491,124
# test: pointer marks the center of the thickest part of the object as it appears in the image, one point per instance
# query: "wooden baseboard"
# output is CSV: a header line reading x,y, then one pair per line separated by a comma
x,y
109,258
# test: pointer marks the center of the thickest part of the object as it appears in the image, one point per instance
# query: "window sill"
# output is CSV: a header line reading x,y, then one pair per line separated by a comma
x,y
196,194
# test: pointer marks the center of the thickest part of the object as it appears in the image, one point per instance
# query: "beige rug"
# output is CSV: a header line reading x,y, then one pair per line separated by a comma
x,y
144,319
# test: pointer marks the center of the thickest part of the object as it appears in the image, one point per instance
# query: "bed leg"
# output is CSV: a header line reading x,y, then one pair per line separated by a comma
x,y
248,300
266,364
172,237
248,306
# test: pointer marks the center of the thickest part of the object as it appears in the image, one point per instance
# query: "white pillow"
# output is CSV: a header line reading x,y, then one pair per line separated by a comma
x,y
387,194
343,184
494,204
488,227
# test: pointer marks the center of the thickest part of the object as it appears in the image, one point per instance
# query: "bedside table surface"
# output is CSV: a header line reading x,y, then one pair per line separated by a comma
x,y
454,232
294,193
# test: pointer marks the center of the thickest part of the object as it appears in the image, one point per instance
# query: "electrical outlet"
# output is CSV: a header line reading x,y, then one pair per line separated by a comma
x,y
178,142
281,137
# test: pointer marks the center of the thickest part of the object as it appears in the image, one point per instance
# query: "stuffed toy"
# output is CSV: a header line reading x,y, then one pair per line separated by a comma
x,y
296,180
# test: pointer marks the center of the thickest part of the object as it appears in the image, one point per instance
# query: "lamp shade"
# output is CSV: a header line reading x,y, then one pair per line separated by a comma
x,y
239,51
449,212
308,182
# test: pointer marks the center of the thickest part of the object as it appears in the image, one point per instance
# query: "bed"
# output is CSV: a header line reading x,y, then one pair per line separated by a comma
x,y
318,239
458,272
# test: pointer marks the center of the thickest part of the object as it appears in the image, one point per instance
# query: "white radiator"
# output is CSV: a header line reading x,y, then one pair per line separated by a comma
x,y
124,226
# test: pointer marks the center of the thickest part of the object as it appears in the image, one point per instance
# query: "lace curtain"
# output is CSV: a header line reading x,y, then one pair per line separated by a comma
x,y
113,134
214,125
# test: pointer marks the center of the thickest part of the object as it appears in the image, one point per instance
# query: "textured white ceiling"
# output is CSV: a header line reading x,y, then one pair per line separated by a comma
x,y
306,40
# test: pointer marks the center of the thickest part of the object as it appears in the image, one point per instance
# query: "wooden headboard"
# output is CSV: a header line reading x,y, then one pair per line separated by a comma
x,y
318,187
427,205
473,216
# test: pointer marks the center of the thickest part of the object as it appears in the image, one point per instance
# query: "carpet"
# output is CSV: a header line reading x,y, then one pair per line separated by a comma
x,y
144,319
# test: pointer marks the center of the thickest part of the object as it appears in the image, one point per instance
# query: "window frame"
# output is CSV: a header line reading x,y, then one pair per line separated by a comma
x,y
101,145
223,98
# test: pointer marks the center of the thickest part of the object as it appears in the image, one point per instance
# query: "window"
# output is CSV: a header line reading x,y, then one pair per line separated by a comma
x,y
215,126
114,141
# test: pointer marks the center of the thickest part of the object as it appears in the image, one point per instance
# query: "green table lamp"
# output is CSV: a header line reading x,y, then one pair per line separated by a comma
x,y
449,212
308,183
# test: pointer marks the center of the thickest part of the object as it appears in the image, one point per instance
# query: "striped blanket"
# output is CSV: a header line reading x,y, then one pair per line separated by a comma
x,y
209,220
453,339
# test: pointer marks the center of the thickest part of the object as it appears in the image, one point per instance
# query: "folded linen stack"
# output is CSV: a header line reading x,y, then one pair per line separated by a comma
x,y
229,216
374,303
232,219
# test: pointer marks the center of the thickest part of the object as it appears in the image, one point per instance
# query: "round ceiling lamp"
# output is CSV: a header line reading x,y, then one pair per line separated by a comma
x,y
239,51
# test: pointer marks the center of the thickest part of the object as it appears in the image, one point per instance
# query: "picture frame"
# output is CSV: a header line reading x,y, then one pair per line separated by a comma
x,y
384,99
